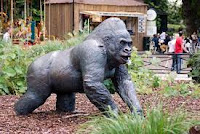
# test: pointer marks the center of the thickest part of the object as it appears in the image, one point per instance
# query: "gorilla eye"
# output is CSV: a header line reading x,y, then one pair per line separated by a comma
x,y
122,42
130,44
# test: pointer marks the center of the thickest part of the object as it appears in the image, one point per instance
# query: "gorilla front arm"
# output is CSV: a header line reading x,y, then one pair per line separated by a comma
x,y
125,88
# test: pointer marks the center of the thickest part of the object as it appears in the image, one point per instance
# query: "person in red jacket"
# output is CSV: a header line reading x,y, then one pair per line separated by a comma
x,y
179,47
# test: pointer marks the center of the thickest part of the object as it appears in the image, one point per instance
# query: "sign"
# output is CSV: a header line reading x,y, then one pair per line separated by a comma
x,y
141,24
96,18
151,30
151,14
151,23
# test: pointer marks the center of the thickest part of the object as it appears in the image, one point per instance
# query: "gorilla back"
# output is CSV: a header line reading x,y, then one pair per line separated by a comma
x,y
83,68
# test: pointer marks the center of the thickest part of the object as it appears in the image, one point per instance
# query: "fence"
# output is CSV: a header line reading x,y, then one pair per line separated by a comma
x,y
162,63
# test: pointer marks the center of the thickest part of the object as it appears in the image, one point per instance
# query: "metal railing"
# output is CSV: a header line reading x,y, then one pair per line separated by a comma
x,y
164,64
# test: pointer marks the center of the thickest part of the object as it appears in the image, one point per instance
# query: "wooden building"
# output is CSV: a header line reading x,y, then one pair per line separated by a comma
x,y
64,16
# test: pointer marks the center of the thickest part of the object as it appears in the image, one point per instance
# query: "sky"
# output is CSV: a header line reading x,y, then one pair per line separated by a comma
x,y
179,1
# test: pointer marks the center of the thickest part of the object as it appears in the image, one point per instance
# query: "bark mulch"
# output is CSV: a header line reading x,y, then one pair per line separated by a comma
x,y
45,120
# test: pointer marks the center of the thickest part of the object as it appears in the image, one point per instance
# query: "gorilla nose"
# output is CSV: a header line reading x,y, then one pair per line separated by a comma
x,y
127,49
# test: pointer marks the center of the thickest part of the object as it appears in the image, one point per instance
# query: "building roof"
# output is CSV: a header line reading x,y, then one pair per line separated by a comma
x,y
102,2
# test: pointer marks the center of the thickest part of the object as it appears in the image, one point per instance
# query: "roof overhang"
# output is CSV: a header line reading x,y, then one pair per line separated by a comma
x,y
114,14
100,2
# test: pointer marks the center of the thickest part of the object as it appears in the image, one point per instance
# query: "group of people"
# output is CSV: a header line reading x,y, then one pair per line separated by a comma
x,y
22,29
160,42
176,45
163,43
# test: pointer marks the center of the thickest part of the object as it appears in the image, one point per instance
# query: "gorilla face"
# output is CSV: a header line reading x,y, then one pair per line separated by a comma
x,y
112,33
125,49
120,49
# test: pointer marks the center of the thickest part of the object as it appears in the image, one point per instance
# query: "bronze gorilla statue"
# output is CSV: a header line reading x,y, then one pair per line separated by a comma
x,y
83,68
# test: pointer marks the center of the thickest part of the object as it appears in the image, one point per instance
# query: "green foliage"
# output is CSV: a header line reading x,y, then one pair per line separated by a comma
x,y
109,85
194,63
170,87
160,6
174,28
14,61
139,75
174,13
156,82
144,79
155,122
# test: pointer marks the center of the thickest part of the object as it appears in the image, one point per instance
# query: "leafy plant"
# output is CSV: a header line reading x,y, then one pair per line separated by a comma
x,y
144,79
194,63
14,61
170,87
155,122
109,85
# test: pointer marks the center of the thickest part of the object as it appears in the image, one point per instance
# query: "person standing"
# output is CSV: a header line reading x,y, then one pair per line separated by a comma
x,y
6,36
194,41
179,47
155,40
171,45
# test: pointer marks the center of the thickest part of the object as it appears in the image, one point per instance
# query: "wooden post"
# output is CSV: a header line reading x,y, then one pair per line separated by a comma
x,y
1,5
73,17
25,10
40,10
11,15
6,10
31,14
44,23
49,19
28,13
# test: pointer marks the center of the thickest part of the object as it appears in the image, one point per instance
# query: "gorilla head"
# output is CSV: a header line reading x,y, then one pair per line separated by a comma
x,y
113,34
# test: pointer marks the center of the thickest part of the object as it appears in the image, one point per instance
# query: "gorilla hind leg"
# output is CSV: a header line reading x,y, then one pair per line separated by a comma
x,y
30,101
65,102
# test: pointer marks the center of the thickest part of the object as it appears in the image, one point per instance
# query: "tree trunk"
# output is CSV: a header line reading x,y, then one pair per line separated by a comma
x,y
40,10
6,10
44,23
11,15
190,17
1,5
28,13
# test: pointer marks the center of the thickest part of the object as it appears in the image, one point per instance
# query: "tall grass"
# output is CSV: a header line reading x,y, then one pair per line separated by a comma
x,y
155,122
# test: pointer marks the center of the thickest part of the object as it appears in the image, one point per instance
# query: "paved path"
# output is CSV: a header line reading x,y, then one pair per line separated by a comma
x,y
161,64
184,77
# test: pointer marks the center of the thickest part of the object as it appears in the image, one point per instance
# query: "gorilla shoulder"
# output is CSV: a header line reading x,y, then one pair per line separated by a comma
x,y
90,48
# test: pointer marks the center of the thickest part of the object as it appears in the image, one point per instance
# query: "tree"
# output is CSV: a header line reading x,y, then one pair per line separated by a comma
x,y
191,15
175,13
161,7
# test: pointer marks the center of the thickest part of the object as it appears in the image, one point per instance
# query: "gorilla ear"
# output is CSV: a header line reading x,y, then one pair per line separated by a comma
x,y
106,38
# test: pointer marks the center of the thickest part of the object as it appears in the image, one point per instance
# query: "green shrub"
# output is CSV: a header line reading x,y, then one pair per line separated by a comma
x,y
144,79
13,64
194,63
171,87
14,61
155,122
139,75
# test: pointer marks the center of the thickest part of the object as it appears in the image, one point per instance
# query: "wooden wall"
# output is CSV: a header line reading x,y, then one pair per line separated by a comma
x,y
61,18
59,21
137,38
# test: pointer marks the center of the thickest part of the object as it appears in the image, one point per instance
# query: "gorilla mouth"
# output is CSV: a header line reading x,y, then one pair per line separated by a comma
x,y
125,58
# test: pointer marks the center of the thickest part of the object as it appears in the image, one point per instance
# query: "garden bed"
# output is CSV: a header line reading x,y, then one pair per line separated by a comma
x,y
46,120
